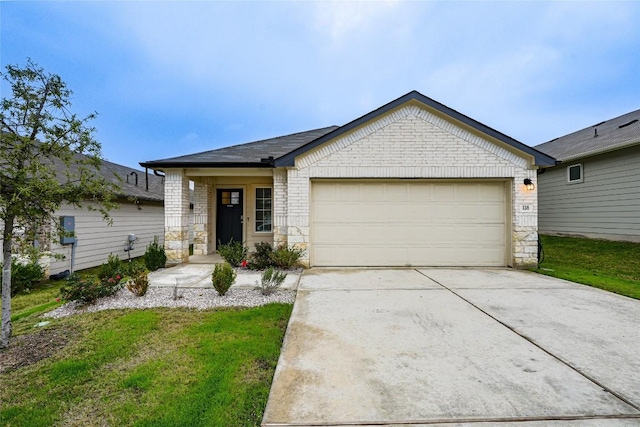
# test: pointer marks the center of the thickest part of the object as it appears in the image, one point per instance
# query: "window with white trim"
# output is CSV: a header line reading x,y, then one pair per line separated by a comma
x,y
574,174
263,210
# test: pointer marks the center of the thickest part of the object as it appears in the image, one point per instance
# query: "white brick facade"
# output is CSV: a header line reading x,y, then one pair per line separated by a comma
x,y
176,216
410,142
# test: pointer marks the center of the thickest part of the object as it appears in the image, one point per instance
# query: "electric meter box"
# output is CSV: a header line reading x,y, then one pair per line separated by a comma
x,y
68,224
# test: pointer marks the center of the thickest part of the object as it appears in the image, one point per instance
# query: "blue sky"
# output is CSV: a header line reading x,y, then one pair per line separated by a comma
x,y
173,78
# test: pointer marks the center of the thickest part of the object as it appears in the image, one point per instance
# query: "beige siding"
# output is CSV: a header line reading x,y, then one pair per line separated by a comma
x,y
605,205
96,239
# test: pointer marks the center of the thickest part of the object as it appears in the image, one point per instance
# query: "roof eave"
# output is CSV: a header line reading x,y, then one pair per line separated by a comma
x,y
185,165
600,151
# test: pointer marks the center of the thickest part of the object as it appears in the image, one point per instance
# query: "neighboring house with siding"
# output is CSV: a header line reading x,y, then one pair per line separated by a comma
x,y
140,212
412,183
594,192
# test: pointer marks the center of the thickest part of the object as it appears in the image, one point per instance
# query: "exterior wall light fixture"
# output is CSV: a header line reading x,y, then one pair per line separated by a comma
x,y
529,184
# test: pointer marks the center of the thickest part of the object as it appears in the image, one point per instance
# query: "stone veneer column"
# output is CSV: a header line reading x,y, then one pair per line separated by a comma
x,y
280,207
176,216
201,207
525,221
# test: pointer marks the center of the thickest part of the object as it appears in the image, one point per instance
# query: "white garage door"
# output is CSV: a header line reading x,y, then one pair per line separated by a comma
x,y
401,223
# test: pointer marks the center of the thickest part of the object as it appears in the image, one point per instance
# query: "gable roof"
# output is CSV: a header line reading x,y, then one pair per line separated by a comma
x,y
285,149
541,159
250,154
613,134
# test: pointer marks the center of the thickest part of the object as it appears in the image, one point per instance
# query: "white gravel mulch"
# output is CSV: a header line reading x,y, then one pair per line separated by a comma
x,y
196,298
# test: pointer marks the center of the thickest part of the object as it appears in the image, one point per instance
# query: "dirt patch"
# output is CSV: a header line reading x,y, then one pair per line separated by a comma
x,y
25,350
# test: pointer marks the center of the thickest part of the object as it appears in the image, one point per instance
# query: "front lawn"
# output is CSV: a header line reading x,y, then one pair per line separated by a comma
x,y
156,367
608,265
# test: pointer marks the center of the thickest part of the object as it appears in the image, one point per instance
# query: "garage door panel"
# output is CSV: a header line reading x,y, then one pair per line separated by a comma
x,y
495,211
383,223
467,193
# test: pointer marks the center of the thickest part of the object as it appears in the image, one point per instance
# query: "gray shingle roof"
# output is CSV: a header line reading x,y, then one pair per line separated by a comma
x,y
613,134
122,176
130,189
284,149
249,154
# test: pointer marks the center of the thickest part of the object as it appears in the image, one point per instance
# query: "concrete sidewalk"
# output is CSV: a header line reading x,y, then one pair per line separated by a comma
x,y
474,347
194,275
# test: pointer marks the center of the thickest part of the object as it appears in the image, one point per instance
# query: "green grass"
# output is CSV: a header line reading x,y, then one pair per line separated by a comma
x,y
608,265
160,367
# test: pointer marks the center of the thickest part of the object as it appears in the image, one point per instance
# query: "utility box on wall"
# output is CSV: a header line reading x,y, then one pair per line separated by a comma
x,y
68,224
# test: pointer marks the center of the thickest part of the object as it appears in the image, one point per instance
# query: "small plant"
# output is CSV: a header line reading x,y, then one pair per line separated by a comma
x,y
222,278
24,276
233,252
111,269
261,258
155,256
88,290
271,280
136,279
286,257
139,284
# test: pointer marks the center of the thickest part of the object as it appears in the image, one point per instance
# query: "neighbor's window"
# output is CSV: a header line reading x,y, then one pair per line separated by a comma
x,y
263,210
574,173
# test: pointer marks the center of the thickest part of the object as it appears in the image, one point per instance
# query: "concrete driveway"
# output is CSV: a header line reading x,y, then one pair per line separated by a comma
x,y
474,347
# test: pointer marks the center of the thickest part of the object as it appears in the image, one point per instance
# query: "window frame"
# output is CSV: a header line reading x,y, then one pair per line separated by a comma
x,y
256,210
575,181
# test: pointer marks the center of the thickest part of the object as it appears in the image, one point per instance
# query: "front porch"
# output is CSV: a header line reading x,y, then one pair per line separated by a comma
x,y
221,204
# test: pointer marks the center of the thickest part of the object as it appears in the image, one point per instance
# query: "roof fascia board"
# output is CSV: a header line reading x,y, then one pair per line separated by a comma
x,y
182,165
228,172
540,158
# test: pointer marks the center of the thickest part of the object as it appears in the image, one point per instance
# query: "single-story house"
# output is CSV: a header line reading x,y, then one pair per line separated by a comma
x,y
140,212
594,192
412,183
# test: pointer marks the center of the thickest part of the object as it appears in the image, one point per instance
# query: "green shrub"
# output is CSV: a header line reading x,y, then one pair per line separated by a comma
x,y
112,269
233,252
87,290
222,278
155,256
261,258
23,276
285,257
271,280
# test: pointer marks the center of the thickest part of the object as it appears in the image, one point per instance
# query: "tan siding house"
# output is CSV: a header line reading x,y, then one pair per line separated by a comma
x,y
140,212
96,239
413,183
594,192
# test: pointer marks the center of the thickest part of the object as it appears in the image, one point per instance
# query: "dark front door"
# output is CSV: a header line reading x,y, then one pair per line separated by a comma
x,y
229,216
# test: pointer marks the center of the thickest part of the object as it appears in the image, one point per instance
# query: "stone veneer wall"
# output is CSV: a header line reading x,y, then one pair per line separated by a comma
x,y
176,216
411,142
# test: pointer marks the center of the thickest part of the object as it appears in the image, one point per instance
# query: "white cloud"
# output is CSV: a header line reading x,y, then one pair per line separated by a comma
x,y
340,19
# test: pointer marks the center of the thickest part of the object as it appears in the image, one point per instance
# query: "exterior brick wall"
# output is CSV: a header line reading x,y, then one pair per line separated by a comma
x,y
411,142
202,204
176,216
280,196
